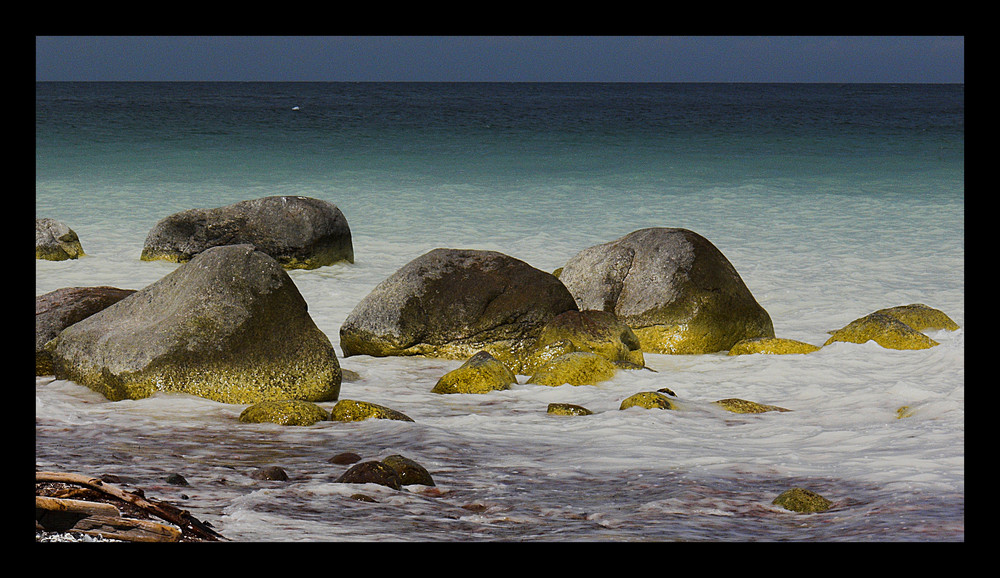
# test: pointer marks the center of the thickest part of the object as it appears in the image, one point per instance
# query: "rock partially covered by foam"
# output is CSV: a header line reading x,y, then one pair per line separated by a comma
x,y
298,232
55,241
229,325
673,287
453,303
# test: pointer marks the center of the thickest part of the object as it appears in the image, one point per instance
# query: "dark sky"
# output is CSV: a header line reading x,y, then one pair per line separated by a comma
x,y
503,58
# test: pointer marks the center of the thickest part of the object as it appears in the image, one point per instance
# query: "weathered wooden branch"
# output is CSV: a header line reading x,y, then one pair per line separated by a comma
x,y
163,510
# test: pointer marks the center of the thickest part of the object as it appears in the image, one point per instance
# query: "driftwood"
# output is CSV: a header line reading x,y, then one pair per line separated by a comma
x,y
97,519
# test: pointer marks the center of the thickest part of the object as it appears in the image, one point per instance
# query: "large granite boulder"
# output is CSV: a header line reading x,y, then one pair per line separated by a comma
x,y
55,241
299,232
57,310
673,287
453,303
229,326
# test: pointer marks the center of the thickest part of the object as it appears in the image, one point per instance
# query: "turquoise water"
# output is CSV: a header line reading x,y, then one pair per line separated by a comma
x,y
831,201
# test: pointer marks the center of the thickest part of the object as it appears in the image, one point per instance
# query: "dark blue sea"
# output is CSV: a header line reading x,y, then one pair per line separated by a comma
x,y
831,201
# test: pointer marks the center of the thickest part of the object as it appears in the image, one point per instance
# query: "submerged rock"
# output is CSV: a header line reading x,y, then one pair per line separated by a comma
x,y
284,412
673,287
55,241
229,325
482,373
802,500
576,368
453,303
298,232
372,472
737,405
353,410
772,346
648,400
57,310
567,409
886,330
410,472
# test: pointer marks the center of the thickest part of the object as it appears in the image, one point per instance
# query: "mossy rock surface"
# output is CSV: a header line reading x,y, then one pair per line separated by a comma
x,y
886,330
921,317
481,373
57,310
673,287
737,405
648,400
576,368
229,325
594,331
284,412
409,472
55,241
802,500
568,409
354,410
772,346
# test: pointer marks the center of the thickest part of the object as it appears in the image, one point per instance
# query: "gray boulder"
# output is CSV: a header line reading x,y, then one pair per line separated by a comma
x,y
57,310
673,287
55,241
229,326
298,232
453,303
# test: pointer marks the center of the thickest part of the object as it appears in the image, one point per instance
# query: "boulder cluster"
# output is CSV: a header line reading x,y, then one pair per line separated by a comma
x,y
230,325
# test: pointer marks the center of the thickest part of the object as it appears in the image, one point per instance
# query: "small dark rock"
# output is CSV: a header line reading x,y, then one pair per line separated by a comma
x,y
409,471
270,473
372,473
344,458
177,480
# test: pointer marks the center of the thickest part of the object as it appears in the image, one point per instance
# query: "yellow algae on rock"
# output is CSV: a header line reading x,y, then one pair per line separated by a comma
x,y
883,329
284,412
921,317
772,345
576,368
737,405
353,410
648,400
802,500
568,409
482,373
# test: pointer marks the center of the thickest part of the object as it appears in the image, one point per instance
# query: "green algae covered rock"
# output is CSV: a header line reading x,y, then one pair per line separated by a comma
x,y
802,500
284,412
648,400
737,405
771,345
353,410
57,310
298,232
482,373
886,330
55,241
454,303
576,368
599,332
921,317
673,287
409,472
568,409
229,325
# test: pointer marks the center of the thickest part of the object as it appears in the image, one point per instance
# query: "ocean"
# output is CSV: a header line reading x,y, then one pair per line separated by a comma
x,y
831,201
